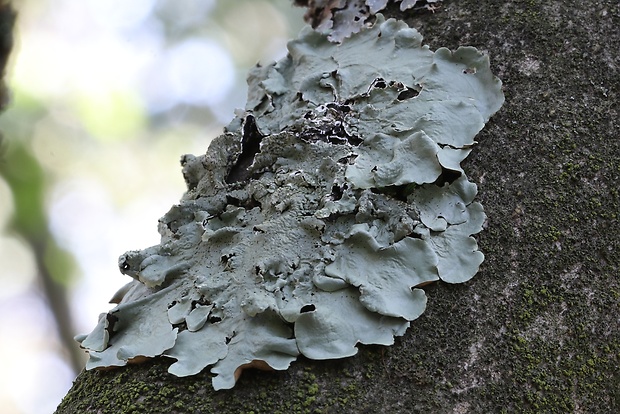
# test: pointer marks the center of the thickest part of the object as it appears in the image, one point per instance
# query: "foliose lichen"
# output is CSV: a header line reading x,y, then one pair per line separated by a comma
x,y
310,225
339,19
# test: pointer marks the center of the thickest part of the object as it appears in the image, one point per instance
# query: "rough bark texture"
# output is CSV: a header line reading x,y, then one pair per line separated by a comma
x,y
537,330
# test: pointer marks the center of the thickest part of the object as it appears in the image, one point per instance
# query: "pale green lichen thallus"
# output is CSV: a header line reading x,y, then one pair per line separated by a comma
x,y
311,223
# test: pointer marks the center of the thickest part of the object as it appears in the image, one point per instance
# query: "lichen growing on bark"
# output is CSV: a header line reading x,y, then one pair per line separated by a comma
x,y
311,223
339,19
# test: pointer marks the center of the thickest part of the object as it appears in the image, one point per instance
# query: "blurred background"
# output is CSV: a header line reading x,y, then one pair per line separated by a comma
x,y
106,97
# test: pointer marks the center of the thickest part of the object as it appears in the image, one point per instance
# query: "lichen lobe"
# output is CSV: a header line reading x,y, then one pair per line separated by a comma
x,y
311,223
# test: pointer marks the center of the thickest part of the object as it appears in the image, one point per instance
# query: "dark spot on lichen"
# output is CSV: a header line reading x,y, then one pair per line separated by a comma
x,y
397,192
344,108
348,160
250,146
408,93
338,191
226,257
379,83
214,319
247,203
307,308
447,176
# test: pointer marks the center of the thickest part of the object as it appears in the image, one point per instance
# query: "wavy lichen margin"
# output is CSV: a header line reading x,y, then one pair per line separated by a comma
x,y
310,225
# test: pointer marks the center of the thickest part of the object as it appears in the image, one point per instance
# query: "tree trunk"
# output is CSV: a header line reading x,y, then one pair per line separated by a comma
x,y
538,328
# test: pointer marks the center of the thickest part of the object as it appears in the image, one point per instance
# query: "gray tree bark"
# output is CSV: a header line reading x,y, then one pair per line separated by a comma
x,y
538,329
